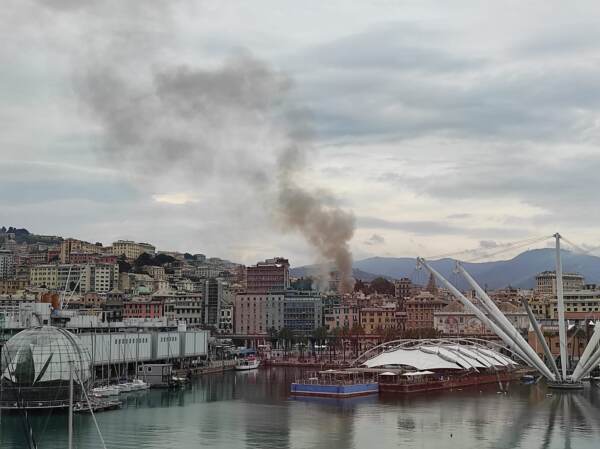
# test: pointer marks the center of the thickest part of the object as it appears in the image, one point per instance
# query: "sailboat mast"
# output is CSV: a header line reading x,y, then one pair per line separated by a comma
x,y
70,446
562,334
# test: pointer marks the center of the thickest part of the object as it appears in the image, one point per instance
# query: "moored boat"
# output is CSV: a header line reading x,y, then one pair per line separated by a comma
x,y
569,386
247,363
105,391
139,384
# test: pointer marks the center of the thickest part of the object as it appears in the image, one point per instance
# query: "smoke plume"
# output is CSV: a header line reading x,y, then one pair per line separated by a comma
x,y
231,123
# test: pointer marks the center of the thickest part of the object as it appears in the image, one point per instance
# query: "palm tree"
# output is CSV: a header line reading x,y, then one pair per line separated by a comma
x,y
287,335
357,331
319,336
301,340
273,336
333,340
345,334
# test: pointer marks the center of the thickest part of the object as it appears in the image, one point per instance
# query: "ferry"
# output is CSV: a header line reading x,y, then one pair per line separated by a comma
x,y
247,363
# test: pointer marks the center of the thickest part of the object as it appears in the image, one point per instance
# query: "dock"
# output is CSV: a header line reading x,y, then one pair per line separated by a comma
x,y
98,405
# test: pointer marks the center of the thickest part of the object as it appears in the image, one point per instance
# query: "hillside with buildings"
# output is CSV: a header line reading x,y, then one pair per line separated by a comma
x,y
83,285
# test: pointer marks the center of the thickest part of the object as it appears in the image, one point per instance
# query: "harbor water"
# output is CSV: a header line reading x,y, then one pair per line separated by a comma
x,y
253,409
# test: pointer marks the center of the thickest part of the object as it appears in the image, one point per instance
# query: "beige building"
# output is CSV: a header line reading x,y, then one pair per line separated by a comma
x,y
130,249
69,246
44,275
99,278
579,304
255,314
545,283
11,286
157,273
376,319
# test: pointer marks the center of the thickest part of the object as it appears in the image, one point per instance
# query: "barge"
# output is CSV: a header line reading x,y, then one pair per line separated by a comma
x,y
335,384
421,382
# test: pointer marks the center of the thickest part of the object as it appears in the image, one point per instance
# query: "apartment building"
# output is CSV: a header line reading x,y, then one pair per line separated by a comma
x,y
99,278
131,250
7,264
255,314
270,275
545,283
69,246
341,315
420,310
377,319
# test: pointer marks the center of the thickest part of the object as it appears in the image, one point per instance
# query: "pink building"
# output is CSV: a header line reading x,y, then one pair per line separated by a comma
x,y
270,275
144,309
255,314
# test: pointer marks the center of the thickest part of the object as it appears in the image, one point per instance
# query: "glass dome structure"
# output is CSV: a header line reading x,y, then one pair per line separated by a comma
x,y
36,366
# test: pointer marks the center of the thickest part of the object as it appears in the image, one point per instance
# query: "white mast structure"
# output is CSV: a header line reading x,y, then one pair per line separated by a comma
x,y
562,334
540,336
504,324
495,320
509,341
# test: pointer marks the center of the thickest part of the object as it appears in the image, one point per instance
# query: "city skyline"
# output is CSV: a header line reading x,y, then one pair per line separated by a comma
x,y
421,124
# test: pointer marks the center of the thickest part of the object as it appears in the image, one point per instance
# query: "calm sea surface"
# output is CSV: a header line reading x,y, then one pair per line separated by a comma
x,y
254,410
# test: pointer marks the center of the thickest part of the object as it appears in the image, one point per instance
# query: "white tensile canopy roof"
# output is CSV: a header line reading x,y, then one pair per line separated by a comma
x,y
438,357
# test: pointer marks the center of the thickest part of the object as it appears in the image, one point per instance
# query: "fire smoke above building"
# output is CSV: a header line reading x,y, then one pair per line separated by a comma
x,y
233,125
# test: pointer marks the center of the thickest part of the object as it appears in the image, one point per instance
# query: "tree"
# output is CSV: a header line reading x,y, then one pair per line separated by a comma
x,y
421,333
301,340
356,332
162,259
345,334
143,259
319,336
391,333
273,336
124,266
360,286
334,336
382,286
287,336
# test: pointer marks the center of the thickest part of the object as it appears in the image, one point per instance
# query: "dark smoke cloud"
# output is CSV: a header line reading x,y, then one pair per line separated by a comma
x,y
198,125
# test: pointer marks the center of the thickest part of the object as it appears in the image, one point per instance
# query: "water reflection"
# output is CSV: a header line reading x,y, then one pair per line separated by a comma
x,y
254,410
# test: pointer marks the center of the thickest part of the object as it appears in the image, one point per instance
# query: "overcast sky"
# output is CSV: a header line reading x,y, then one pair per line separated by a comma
x,y
441,126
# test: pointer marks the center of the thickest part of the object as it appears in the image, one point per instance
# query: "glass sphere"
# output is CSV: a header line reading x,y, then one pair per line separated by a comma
x,y
37,364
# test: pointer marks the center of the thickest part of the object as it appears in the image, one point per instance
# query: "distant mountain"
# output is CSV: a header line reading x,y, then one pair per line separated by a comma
x,y
518,272
308,270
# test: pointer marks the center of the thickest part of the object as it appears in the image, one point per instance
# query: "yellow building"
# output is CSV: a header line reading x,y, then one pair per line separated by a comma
x,y
375,319
44,275
131,250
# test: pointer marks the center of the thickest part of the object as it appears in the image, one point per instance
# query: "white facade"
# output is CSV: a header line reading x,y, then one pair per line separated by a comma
x,y
99,278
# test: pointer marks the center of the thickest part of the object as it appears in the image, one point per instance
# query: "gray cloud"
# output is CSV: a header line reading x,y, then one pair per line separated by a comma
x,y
374,240
468,119
425,228
390,46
